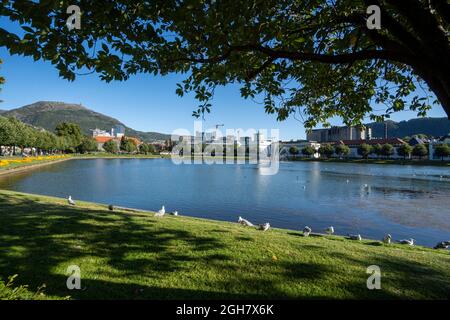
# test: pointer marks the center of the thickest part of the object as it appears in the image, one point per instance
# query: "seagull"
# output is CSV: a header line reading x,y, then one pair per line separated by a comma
x,y
306,231
70,201
245,222
442,245
264,227
348,181
304,187
329,230
175,213
387,239
355,237
407,241
161,212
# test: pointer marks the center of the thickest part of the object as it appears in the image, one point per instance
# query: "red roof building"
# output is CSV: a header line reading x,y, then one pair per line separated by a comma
x,y
100,139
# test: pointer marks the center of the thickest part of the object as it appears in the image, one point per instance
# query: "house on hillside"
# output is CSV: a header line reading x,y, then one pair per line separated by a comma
x,y
416,140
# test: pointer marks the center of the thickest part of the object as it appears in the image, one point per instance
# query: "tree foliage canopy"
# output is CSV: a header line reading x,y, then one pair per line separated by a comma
x,y
404,150
364,150
294,150
341,150
313,59
16,133
442,151
326,150
308,151
420,150
111,146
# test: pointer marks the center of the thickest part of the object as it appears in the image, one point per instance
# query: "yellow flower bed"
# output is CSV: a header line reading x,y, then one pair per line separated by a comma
x,y
5,163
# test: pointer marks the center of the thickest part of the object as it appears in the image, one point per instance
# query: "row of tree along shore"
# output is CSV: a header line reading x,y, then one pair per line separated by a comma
x,y
18,138
365,150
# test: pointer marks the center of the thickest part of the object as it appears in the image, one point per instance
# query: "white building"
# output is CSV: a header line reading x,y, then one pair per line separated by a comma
x,y
116,132
100,133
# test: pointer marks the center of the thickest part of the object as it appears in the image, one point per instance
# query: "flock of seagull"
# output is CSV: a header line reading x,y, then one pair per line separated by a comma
x,y
330,230
306,230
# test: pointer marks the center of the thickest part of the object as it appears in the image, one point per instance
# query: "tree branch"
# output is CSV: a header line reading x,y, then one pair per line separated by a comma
x,y
252,74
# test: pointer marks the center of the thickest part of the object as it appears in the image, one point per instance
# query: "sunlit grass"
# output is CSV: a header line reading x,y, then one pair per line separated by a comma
x,y
137,256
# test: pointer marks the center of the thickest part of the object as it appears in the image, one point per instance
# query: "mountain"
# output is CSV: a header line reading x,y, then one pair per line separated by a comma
x,y
47,114
430,126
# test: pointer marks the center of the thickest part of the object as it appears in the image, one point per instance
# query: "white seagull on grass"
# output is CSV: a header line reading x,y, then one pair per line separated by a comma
x,y
442,245
409,242
264,227
355,237
387,239
70,201
161,212
306,231
329,230
245,222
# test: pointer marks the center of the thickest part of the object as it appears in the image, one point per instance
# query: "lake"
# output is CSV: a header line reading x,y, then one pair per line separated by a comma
x,y
405,201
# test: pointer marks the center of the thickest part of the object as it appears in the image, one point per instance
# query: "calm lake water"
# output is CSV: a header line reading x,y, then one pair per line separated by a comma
x,y
405,201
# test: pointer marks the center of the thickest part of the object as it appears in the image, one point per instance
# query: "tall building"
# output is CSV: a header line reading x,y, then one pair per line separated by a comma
x,y
339,133
119,131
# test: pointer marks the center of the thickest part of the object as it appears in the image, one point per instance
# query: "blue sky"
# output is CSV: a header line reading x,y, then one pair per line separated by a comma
x,y
144,102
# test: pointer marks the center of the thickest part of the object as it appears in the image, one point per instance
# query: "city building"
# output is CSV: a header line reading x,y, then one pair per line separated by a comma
x,y
334,134
116,134
101,133
415,140
213,141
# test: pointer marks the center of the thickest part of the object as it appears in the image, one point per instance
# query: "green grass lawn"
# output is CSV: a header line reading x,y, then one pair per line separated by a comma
x,y
136,256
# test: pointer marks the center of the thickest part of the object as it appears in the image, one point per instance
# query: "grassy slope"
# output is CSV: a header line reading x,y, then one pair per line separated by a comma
x,y
180,257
